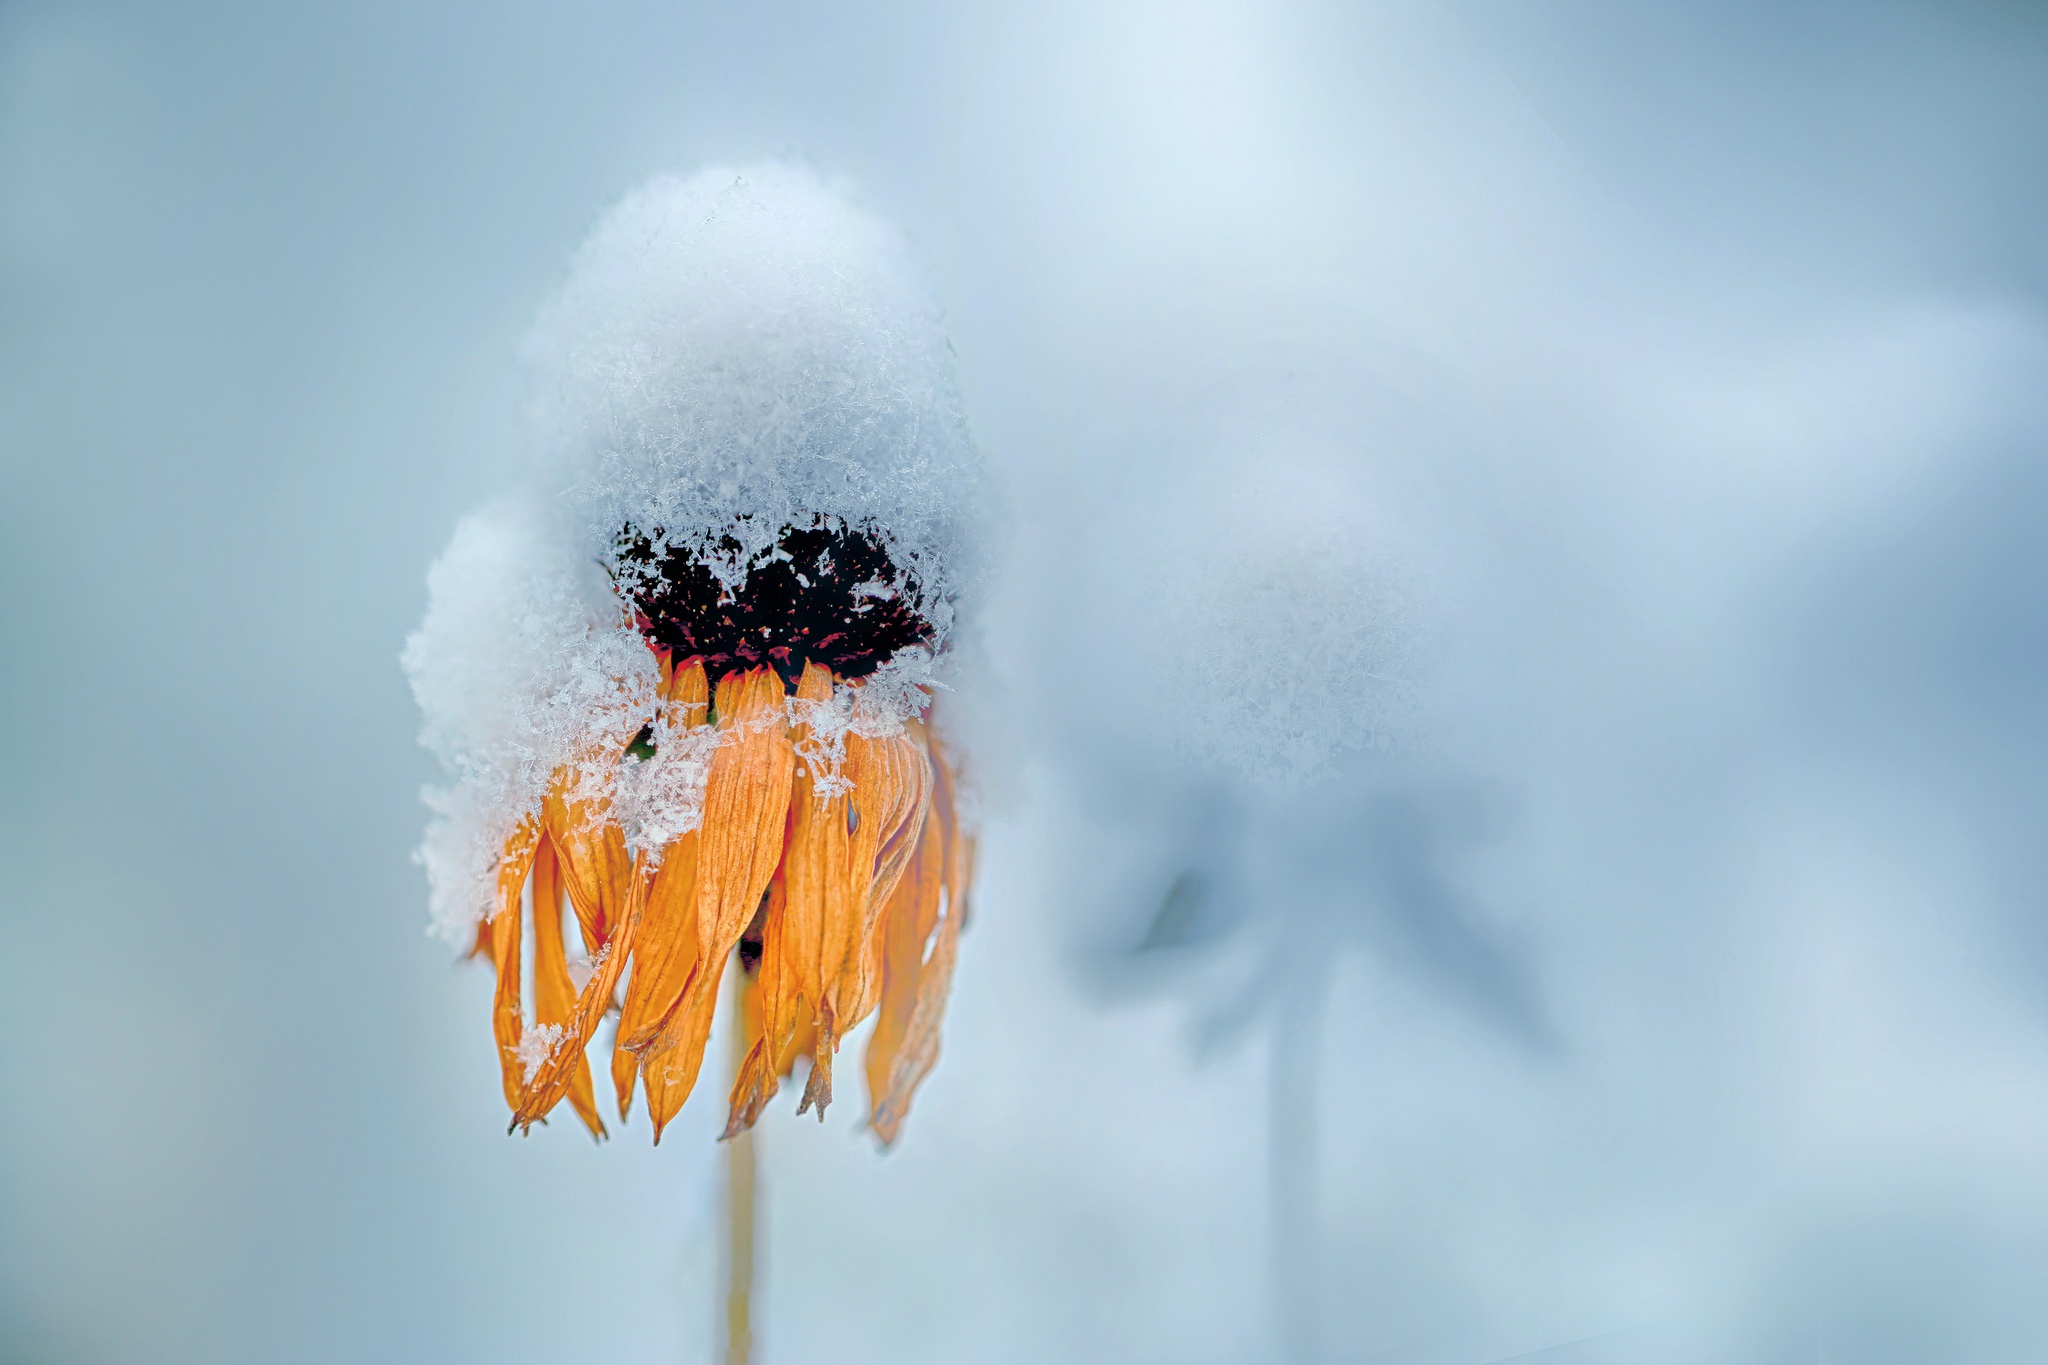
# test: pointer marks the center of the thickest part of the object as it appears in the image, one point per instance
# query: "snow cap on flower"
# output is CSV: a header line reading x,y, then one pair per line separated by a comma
x,y
746,350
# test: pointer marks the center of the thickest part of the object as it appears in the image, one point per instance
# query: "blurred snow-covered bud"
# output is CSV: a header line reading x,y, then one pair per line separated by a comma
x,y
1294,607
1281,588
1276,575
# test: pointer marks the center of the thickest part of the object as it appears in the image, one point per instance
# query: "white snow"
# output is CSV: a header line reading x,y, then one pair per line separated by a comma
x,y
522,662
744,349
662,797
537,1044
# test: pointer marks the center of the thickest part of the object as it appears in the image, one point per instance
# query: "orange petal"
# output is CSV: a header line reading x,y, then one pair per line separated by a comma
x,y
895,791
773,989
890,862
625,1069
907,925
554,997
595,864
666,947
551,1082
920,1050
788,975
800,1043
915,805
688,694
845,880
814,859
668,1068
506,1022
746,800
893,1079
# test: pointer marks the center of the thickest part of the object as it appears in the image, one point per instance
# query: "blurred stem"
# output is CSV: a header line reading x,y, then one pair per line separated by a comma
x,y
741,1192
1291,1151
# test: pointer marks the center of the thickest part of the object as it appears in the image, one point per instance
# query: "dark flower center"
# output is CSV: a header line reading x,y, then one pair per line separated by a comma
x,y
825,594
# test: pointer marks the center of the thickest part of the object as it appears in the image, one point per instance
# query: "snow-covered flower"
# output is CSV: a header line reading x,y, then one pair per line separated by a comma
x,y
720,747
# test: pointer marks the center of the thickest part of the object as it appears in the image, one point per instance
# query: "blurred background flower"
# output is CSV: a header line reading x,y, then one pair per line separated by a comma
x,y
1515,678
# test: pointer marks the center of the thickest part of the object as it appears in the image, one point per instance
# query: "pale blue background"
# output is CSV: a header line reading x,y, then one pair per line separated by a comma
x,y
263,272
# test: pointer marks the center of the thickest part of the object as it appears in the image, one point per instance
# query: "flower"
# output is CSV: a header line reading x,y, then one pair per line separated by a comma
x,y
722,746
787,803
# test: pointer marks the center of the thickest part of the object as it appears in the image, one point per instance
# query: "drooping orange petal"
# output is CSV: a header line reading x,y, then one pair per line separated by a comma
x,y
554,996
845,887
913,807
901,781
668,1068
755,1082
893,1080
625,1070
891,860
919,1052
787,977
551,1082
746,801
506,1021
800,1044
815,850
595,864
665,949
907,925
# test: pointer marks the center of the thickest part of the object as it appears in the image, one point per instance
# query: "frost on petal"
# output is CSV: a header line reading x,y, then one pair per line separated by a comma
x,y
876,707
895,693
660,798
538,1044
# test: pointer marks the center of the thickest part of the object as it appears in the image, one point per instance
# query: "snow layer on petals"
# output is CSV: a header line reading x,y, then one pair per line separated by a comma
x,y
661,797
522,662
743,350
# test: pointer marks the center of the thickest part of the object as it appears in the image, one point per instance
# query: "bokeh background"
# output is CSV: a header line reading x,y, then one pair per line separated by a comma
x,y
1636,951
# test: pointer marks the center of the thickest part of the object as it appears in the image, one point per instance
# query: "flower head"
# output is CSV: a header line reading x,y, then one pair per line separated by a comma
x,y
688,693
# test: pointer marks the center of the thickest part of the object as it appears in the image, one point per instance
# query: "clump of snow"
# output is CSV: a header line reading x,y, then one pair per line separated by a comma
x,y
892,694
661,797
523,663
745,350
538,1044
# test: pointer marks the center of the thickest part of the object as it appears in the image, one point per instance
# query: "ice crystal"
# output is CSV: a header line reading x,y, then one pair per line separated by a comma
x,y
537,1044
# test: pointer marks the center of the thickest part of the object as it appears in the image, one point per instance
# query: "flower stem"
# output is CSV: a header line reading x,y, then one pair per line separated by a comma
x,y
741,1193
